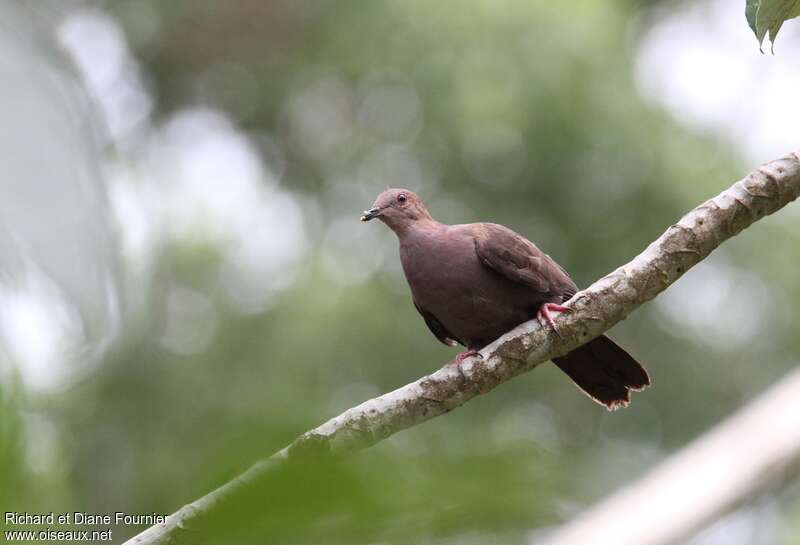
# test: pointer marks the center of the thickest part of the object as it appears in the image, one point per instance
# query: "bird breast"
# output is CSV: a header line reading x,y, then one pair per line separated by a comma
x,y
448,280
442,270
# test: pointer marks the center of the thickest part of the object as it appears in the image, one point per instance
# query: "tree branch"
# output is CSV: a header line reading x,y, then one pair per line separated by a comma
x,y
596,309
736,459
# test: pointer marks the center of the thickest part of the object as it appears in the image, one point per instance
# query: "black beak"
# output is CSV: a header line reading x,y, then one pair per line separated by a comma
x,y
371,213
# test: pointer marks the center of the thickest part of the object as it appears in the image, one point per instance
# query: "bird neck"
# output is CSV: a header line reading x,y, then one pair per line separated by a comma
x,y
423,224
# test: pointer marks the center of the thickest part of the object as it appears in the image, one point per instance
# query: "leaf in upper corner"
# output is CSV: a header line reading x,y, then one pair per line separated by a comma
x,y
767,16
750,9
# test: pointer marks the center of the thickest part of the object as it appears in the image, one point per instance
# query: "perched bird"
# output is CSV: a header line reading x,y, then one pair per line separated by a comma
x,y
473,282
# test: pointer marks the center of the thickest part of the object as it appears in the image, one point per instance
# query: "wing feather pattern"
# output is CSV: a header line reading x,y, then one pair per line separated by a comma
x,y
519,260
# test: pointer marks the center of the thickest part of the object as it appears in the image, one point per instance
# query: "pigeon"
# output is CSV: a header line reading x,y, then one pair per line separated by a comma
x,y
474,282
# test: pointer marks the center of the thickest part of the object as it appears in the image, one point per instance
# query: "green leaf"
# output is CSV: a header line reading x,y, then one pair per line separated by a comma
x,y
767,16
750,10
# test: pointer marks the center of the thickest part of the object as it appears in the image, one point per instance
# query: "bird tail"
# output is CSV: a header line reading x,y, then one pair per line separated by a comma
x,y
605,372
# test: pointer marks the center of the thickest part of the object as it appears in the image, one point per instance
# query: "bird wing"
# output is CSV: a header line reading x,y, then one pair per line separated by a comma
x,y
436,327
519,260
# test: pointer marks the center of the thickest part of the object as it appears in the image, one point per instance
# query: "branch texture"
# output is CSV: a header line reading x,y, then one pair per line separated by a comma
x,y
596,309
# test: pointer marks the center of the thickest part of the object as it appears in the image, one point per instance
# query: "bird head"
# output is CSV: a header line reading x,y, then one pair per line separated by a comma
x,y
398,208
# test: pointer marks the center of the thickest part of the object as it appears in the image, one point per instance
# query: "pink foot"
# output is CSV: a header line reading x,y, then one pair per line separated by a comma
x,y
464,355
544,314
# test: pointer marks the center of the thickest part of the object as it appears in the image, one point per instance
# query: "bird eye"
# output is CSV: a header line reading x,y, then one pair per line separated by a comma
x,y
402,197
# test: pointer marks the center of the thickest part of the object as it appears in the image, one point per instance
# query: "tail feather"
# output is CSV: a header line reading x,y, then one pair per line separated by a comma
x,y
605,372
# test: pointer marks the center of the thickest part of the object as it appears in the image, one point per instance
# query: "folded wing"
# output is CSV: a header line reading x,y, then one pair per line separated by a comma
x,y
520,261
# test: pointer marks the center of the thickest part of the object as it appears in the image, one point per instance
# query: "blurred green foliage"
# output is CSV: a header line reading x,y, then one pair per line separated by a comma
x,y
515,111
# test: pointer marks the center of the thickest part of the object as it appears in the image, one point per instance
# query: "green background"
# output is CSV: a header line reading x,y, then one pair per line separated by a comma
x,y
524,113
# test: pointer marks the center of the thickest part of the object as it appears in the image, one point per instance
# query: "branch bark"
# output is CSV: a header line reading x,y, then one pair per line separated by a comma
x,y
595,310
746,453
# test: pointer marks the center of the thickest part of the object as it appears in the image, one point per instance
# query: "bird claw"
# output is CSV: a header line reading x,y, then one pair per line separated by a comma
x,y
544,317
462,356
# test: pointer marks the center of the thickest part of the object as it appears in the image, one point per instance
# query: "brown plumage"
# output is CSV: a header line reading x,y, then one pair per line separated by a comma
x,y
473,282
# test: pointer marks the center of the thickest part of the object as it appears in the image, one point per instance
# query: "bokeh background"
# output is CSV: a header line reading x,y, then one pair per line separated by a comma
x,y
185,286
